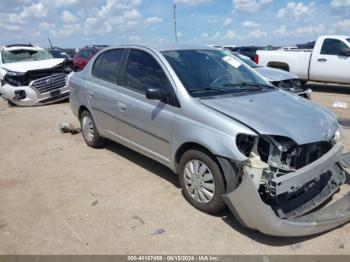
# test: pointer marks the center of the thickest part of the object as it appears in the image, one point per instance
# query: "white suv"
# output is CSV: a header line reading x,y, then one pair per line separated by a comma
x,y
30,75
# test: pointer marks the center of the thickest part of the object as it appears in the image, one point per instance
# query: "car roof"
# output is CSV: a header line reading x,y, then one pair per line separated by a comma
x,y
166,47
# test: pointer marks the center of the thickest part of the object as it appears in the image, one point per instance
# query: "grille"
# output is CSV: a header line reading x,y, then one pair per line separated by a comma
x,y
49,83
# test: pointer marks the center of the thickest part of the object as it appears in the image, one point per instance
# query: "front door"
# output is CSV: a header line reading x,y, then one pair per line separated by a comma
x,y
330,65
143,124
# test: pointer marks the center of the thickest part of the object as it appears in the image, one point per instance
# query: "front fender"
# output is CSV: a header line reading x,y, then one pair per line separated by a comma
x,y
217,142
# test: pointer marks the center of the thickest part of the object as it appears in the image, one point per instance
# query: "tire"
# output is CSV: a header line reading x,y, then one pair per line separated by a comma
x,y
88,128
11,104
209,179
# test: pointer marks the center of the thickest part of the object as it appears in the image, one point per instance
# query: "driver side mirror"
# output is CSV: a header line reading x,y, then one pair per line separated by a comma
x,y
345,51
157,94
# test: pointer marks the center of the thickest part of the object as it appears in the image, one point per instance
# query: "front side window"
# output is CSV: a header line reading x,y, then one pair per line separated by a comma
x,y
22,55
212,72
143,71
332,47
107,65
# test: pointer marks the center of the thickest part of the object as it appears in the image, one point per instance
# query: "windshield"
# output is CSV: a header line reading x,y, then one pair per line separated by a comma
x,y
348,40
213,72
24,55
247,60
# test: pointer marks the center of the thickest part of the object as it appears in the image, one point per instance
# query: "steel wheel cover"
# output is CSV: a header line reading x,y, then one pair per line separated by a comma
x,y
199,181
88,128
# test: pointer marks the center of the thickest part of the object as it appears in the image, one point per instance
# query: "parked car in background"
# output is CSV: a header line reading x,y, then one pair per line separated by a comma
x,y
83,56
249,51
30,75
328,62
59,53
278,77
233,138
308,45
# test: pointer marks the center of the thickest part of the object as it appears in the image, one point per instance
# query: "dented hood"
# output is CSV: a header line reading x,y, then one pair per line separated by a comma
x,y
278,113
23,67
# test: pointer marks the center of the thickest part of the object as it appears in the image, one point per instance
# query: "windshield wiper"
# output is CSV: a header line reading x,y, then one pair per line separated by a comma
x,y
249,84
208,89
226,88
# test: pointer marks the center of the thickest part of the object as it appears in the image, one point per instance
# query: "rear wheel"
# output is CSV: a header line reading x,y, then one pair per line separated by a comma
x,y
202,181
88,127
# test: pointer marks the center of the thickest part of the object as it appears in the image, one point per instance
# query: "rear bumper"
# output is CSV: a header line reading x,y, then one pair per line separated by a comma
x,y
246,203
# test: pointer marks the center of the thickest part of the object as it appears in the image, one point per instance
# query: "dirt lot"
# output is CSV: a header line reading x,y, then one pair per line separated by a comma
x,y
58,196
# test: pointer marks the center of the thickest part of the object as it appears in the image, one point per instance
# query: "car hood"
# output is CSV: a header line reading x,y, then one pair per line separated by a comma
x,y
278,113
273,74
23,67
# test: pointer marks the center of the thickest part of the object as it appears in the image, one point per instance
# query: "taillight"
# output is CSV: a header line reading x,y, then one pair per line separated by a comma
x,y
256,58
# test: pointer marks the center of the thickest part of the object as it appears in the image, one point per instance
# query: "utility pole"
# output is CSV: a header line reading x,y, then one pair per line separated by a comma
x,y
175,30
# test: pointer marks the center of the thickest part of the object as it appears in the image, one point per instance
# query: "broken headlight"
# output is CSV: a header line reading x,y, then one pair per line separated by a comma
x,y
14,79
245,143
297,83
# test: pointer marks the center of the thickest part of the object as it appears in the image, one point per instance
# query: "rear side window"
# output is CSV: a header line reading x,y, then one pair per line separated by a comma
x,y
107,65
84,54
143,71
332,47
90,53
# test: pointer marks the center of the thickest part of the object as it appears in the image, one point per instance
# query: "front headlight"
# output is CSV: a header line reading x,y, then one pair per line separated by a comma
x,y
245,143
12,73
11,80
297,83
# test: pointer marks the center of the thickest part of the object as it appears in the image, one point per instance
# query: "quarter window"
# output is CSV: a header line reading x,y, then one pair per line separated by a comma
x,y
107,65
83,54
142,71
332,47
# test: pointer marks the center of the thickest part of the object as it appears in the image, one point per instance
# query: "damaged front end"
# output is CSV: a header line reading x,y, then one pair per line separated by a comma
x,y
286,189
36,87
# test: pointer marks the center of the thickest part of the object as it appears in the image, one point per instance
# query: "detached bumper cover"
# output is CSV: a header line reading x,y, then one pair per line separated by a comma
x,y
246,204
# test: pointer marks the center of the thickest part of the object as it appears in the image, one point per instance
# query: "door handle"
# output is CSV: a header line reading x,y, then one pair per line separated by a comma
x,y
90,93
322,60
122,107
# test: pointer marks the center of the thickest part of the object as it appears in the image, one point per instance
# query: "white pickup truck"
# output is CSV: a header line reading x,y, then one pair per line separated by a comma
x,y
329,61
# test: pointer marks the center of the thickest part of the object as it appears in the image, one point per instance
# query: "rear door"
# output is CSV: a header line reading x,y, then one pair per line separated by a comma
x,y
329,65
102,90
145,125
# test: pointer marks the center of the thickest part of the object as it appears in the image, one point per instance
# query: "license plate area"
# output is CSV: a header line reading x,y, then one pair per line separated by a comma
x,y
55,92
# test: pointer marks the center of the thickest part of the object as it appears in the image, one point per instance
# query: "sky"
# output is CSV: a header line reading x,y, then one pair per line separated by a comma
x,y
76,23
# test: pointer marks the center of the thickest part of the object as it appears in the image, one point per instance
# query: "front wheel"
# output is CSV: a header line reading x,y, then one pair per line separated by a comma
x,y
10,103
202,181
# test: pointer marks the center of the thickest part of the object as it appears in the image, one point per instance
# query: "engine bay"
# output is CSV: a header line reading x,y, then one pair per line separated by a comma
x,y
278,166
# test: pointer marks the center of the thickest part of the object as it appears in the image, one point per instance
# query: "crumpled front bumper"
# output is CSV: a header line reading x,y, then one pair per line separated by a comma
x,y
33,96
247,205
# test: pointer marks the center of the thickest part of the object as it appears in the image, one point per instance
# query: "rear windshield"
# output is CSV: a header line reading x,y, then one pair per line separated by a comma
x,y
24,55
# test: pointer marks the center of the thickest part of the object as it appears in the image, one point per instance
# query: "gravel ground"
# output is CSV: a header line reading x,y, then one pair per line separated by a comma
x,y
58,196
